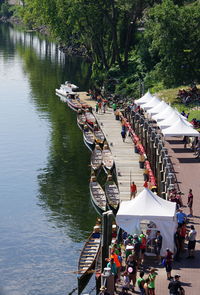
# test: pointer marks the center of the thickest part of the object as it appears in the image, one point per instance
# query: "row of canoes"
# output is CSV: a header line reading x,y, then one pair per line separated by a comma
x,y
102,200
107,199
91,132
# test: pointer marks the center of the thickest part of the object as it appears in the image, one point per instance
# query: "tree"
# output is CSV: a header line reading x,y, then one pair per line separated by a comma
x,y
172,33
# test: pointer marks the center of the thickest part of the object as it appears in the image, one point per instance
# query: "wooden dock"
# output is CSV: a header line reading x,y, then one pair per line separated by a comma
x,y
126,160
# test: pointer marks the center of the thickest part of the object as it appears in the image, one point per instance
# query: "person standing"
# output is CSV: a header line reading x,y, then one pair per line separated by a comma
x,y
152,277
191,241
133,189
141,282
113,267
158,245
143,246
177,241
104,106
114,106
190,202
168,263
175,286
183,232
126,281
181,217
97,107
131,268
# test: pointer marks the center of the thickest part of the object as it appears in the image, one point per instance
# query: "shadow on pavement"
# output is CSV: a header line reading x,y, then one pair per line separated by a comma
x,y
188,161
182,150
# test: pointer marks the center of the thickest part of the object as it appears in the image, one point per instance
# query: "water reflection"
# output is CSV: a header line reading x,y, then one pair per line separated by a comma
x,y
63,184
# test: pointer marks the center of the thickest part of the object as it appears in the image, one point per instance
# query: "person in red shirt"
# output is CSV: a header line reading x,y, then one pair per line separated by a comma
x,y
133,190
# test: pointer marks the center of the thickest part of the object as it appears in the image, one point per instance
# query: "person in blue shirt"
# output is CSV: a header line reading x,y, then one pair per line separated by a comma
x,y
181,217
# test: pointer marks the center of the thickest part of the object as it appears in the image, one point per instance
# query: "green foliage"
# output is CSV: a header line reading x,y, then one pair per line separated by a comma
x,y
173,35
129,40
5,9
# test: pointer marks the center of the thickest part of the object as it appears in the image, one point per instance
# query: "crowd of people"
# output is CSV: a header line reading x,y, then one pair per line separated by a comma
x,y
131,267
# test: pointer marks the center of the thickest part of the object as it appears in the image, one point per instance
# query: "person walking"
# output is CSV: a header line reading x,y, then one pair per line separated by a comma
x,y
133,189
190,202
175,287
191,241
123,134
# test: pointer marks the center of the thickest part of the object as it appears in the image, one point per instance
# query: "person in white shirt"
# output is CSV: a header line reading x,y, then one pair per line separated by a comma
x,y
191,237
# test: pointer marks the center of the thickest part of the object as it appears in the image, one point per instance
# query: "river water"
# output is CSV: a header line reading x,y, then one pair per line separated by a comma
x,y
45,209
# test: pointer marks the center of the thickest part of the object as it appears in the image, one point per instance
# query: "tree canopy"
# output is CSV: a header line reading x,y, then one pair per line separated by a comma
x,y
157,41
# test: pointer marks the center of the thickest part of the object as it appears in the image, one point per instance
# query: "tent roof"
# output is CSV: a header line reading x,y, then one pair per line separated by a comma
x,y
158,108
172,119
147,205
144,99
152,103
163,114
180,128
169,121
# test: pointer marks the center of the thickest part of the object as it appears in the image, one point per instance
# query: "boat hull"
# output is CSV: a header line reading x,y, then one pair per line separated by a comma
x,y
98,197
112,195
108,162
96,159
87,261
89,141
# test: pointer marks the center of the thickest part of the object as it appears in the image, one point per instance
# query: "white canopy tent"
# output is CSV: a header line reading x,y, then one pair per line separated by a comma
x,y
172,119
148,206
161,106
144,99
152,103
180,128
164,114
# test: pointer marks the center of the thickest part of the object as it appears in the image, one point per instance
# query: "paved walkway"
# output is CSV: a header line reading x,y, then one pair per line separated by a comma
x,y
187,170
126,160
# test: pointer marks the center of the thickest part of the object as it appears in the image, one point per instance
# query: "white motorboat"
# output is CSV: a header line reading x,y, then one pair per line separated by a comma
x,y
67,89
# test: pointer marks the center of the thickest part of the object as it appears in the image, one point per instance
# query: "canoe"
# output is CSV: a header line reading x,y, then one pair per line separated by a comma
x,y
112,194
74,104
99,136
81,120
98,268
90,118
108,161
98,196
89,140
87,260
96,158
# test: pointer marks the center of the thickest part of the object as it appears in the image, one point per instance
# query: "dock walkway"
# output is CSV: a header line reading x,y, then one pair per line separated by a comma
x,y
126,160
